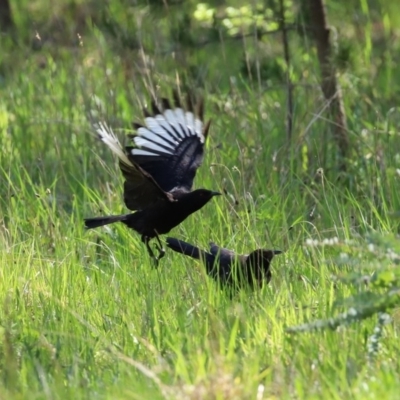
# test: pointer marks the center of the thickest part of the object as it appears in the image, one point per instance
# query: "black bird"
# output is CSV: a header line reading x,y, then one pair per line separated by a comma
x,y
159,169
252,269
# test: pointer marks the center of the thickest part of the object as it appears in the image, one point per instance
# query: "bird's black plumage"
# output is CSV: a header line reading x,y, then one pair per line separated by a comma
x,y
228,268
159,169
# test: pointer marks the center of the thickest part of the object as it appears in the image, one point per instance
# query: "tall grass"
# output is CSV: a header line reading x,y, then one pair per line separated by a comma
x,y
85,315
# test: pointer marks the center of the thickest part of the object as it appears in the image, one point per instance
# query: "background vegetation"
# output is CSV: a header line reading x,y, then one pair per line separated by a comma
x,y
84,314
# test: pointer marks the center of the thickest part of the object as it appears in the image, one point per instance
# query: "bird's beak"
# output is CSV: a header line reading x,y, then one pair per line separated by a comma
x,y
216,194
275,252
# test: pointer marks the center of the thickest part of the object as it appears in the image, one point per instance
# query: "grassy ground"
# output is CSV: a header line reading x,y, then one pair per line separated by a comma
x,y
84,314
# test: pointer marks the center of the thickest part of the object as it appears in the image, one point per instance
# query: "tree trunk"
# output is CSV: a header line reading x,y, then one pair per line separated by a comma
x,y
6,22
286,53
329,84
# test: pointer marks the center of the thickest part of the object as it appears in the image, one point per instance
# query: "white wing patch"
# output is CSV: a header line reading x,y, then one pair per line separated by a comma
x,y
108,137
145,134
173,123
164,132
146,140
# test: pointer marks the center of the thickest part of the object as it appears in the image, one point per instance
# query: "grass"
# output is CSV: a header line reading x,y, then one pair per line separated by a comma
x,y
84,314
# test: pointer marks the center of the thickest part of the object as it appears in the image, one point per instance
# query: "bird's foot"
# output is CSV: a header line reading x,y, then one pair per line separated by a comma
x,y
156,261
151,253
161,254
158,246
161,251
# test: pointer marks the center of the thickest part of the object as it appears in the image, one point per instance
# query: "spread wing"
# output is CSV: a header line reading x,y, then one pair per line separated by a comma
x,y
170,144
140,189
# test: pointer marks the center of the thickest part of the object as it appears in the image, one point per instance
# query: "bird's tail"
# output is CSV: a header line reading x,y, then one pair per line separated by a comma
x,y
91,223
185,248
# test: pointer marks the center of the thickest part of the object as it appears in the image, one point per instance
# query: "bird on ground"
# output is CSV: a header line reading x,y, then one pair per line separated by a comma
x,y
159,169
227,267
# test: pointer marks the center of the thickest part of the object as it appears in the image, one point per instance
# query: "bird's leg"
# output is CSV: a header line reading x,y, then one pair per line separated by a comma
x,y
146,240
160,248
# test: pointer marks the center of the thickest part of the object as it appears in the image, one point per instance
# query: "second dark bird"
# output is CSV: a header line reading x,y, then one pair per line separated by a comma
x,y
250,270
159,170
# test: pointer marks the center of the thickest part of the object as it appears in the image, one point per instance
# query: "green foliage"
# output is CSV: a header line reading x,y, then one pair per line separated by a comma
x,y
376,288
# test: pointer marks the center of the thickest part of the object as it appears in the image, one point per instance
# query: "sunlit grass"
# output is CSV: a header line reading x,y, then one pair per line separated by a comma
x,y
85,315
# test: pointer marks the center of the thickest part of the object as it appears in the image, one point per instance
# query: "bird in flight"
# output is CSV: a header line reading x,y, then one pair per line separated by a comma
x,y
159,169
227,267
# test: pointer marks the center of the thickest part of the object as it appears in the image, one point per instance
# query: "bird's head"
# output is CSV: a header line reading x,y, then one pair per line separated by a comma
x,y
199,198
258,263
